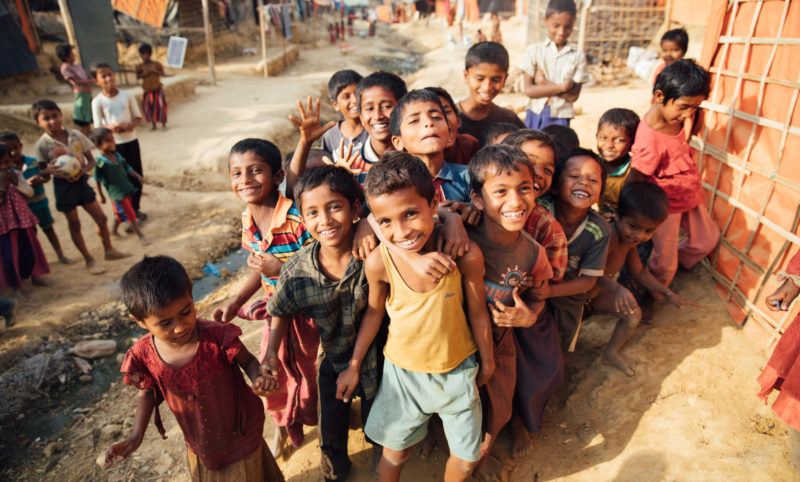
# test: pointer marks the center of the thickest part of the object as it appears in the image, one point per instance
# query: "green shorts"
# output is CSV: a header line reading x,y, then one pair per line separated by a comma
x,y
406,400
82,109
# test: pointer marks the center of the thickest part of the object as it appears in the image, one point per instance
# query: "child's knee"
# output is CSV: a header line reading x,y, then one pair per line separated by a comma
x,y
100,218
396,457
462,465
74,224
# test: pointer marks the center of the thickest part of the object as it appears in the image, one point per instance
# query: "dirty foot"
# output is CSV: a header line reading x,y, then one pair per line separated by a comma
x,y
521,443
616,360
113,254
144,241
424,448
39,281
64,260
493,470
95,268
278,442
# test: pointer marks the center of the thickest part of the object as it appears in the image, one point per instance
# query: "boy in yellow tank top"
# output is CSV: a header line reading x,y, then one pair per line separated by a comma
x,y
430,364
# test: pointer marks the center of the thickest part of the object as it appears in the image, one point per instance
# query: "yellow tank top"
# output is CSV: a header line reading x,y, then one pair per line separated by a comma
x,y
428,332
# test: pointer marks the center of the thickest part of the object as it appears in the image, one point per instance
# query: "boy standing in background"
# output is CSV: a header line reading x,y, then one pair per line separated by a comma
x,y
154,104
81,86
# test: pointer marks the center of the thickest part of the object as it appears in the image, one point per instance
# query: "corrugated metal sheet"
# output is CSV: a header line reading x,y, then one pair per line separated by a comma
x,y
151,12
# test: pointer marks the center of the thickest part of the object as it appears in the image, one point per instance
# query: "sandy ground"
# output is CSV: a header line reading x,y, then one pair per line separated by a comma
x,y
689,413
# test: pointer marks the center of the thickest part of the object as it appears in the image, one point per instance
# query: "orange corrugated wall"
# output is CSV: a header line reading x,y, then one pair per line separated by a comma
x,y
754,196
150,12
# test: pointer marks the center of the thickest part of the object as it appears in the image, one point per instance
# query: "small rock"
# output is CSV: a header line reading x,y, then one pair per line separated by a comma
x,y
53,448
145,468
83,365
120,358
101,460
110,432
62,378
85,378
20,416
92,349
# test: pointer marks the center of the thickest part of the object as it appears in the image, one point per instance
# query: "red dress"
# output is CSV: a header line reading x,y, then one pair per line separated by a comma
x,y
220,416
22,255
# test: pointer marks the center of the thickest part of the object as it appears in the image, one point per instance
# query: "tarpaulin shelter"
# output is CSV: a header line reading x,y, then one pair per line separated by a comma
x,y
747,139
15,49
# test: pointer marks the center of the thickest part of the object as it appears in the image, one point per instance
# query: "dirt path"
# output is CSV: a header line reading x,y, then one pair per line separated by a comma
x,y
689,413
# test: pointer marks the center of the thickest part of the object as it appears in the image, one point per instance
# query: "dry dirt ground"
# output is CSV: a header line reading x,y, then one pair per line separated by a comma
x,y
690,412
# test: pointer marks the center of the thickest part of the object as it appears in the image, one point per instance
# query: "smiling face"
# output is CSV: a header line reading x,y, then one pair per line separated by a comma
x,y
405,218
173,324
453,122
544,165
635,229
580,185
676,111
559,27
506,198
105,79
485,81
50,121
252,179
671,51
15,152
423,130
107,144
612,142
329,216
377,104
346,102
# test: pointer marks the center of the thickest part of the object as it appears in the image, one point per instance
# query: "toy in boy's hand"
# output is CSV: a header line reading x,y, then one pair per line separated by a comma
x,y
782,298
69,167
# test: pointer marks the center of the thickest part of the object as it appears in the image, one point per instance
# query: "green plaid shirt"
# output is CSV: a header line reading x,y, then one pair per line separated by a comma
x,y
335,306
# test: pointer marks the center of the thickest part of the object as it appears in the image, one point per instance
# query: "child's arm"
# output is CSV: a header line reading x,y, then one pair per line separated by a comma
x,y
100,191
782,298
581,284
544,88
521,314
228,312
89,167
145,403
472,271
263,381
646,279
572,94
635,176
375,270
454,241
310,131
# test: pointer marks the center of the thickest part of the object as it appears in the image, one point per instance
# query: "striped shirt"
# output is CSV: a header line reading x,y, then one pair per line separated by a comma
x,y
285,236
544,228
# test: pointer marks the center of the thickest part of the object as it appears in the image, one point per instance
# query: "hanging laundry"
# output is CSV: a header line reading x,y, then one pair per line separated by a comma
x,y
287,20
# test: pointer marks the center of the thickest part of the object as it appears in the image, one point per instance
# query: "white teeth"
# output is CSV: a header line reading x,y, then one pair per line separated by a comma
x,y
514,215
537,186
327,232
380,127
580,194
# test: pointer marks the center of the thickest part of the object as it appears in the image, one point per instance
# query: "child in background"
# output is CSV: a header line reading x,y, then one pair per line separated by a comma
x,y
342,89
272,230
118,111
195,366
71,193
495,35
642,207
22,255
111,171
502,181
496,133
579,180
435,328
460,147
616,131
36,177
565,137
81,87
325,282
674,44
154,104
662,155
554,70
485,73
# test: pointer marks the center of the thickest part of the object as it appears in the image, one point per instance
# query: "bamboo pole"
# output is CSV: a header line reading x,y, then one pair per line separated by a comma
x,y
283,37
263,37
64,8
209,42
584,19
667,15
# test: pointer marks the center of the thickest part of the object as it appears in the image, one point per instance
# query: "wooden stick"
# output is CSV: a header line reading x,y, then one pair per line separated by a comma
x,y
64,8
209,42
263,36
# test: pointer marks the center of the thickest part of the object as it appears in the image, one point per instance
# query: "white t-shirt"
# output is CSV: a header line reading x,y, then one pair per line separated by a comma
x,y
557,66
110,110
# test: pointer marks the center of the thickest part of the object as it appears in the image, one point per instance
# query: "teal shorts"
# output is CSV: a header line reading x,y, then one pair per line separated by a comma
x,y
44,216
82,109
406,400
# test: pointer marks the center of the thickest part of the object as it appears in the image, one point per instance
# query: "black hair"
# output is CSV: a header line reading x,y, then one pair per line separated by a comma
x,y
497,129
444,94
487,53
399,170
501,158
145,48
521,136
565,138
63,51
152,284
386,80
560,6
677,35
682,78
562,164
96,66
4,151
645,198
624,119
418,95
338,179
342,79
264,149
8,136
98,134
40,105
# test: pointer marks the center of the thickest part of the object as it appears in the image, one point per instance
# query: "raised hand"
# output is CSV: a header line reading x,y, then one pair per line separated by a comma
x,y
308,123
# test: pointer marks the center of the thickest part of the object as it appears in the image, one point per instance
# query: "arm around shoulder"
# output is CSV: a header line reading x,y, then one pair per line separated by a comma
x,y
472,271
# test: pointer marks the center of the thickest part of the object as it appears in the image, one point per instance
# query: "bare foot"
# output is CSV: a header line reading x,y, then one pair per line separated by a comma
x,y
116,234
493,470
18,296
521,443
95,268
153,128
424,448
144,241
615,359
278,442
64,260
39,281
11,319
113,254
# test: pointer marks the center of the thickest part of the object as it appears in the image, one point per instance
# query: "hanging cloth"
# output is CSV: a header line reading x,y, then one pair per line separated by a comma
x,y
287,20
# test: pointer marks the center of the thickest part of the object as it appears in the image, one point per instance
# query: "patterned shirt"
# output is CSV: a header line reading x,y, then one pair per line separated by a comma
x,y
283,237
39,199
335,306
588,245
548,232
452,183
557,66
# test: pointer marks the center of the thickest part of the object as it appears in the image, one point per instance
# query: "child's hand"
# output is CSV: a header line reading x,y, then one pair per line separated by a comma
x,y
485,372
680,302
434,265
519,315
782,298
310,130
226,313
346,383
270,266
268,378
364,240
121,450
624,301
469,213
567,85
540,293
454,241
538,77
347,158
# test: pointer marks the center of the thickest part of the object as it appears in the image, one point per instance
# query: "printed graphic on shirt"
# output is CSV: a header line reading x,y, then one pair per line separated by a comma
x,y
512,278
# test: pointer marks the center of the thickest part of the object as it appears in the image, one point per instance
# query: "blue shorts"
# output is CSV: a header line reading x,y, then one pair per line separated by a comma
x,y
44,216
406,400
541,120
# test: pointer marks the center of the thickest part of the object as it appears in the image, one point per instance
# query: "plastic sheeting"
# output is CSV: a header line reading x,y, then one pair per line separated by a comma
x,y
17,56
94,31
747,139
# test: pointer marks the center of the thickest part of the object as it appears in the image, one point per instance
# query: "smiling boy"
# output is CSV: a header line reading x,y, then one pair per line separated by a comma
x,y
342,89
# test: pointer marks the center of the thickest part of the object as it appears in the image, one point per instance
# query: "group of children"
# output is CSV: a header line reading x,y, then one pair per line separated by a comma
x,y
435,261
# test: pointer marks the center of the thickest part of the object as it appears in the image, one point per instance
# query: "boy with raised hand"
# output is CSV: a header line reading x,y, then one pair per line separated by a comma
x,y
554,70
342,89
430,365
485,72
